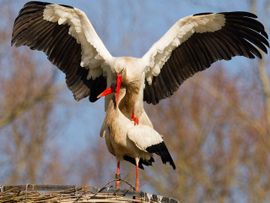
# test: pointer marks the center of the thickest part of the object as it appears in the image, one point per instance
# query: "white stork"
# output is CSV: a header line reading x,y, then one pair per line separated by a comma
x,y
191,45
133,143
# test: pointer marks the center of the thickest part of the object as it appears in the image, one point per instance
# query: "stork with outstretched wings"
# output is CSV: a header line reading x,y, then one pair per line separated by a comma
x,y
191,45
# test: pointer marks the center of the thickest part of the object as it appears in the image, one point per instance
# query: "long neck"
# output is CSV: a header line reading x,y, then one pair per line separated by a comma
x,y
111,112
113,108
132,102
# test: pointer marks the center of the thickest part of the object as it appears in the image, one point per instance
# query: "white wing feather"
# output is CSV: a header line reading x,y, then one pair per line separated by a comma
x,y
161,51
143,136
94,53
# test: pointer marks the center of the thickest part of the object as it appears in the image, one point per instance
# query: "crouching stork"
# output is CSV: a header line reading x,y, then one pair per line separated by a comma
x,y
133,143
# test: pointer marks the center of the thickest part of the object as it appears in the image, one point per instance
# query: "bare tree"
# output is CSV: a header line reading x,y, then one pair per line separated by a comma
x,y
262,73
27,100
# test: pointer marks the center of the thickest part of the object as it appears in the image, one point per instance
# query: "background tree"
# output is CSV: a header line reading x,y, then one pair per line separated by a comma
x,y
27,100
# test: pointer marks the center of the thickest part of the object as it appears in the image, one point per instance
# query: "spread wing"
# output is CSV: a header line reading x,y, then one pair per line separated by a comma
x,y
193,43
69,40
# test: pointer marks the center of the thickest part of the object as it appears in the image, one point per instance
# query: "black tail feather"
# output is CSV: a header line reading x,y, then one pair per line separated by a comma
x,y
141,162
161,150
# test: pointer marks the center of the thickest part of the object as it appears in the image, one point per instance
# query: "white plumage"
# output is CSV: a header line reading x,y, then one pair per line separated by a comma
x,y
143,136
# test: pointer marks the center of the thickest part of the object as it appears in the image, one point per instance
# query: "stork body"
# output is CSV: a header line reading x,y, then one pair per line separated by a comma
x,y
132,71
135,144
191,45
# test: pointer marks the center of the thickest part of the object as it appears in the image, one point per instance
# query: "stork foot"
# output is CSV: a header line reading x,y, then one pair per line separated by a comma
x,y
117,183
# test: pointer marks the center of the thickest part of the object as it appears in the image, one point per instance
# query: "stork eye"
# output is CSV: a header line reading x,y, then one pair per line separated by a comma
x,y
120,70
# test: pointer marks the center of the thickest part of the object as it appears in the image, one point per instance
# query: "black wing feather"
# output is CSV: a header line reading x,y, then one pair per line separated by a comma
x,y
242,35
32,30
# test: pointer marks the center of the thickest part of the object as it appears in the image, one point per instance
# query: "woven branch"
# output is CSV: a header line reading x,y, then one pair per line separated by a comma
x,y
70,193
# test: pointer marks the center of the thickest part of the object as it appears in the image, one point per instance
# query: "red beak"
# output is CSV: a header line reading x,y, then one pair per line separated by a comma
x,y
106,92
118,86
110,89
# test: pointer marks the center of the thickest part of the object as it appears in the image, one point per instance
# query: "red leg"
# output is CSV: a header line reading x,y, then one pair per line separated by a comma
x,y
117,175
135,119
137,184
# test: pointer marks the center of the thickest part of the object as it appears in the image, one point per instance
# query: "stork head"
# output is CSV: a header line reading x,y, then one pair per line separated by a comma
x,y
121,64
119,70
114,88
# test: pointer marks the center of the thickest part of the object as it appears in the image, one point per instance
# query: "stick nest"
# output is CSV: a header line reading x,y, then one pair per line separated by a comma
x,y
69,193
